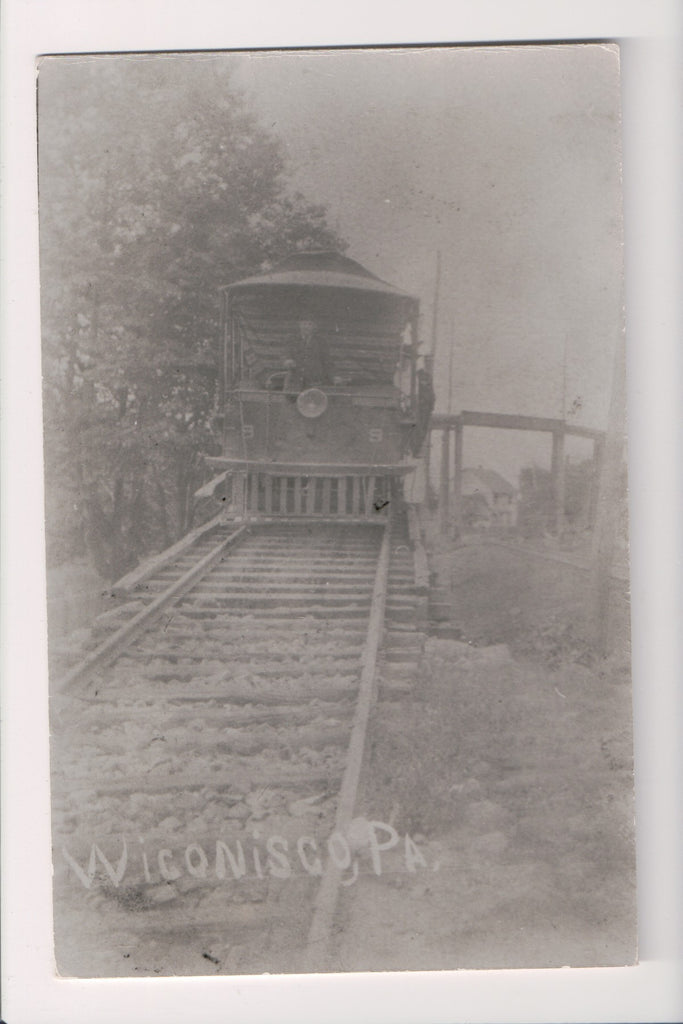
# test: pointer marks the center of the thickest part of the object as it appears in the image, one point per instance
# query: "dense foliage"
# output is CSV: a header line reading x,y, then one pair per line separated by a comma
x,y
536,510
157,184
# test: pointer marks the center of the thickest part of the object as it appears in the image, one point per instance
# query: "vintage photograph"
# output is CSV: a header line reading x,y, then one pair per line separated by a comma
x,y
333,353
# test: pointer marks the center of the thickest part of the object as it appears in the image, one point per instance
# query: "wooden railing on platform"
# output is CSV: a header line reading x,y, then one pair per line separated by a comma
x,y
263,493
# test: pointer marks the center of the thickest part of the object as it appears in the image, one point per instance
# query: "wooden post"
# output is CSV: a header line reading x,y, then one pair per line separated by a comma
x,y
451,339
253,491
226,331
457,477
444,482
435,309
598,462
608,504
558,474
341,495
414,344
427,464
239,486
327,493
369,494
355,495
311,487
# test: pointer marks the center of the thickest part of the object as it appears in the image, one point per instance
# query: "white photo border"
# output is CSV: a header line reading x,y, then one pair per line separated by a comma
x,y
649,33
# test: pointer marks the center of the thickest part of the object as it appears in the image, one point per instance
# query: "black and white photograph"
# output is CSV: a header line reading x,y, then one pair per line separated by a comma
x,y
336,510
452,791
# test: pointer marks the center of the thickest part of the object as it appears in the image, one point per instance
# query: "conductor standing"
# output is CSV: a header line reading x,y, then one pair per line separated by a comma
x,y
309,361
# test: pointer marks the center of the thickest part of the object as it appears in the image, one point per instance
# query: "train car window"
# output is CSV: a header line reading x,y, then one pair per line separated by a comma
x,y
355,338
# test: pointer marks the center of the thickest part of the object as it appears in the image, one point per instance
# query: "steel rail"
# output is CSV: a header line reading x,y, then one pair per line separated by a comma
x,y
114,644
328,891
344,777
151,565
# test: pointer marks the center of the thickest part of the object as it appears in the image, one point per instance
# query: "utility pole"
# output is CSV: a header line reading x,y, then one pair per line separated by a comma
x,y
435,309
444,488
456,504
608,503
558,456
558,477
443,497
451,340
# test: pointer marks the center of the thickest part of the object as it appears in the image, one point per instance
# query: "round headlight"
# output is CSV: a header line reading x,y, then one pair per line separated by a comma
x,y
311,403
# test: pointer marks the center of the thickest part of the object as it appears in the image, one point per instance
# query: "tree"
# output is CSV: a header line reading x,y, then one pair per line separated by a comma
x,y
536,511
536,504
157,185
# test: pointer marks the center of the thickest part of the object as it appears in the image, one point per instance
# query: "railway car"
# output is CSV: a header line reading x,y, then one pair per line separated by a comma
x,y
323,404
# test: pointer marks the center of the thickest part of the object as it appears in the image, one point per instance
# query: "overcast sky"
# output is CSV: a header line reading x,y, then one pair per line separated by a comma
x,y
504,159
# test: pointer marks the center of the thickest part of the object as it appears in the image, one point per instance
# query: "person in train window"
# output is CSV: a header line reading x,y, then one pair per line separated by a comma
x,y
309,361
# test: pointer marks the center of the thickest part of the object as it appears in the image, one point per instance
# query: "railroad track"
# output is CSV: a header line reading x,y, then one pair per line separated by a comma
x,y
207,749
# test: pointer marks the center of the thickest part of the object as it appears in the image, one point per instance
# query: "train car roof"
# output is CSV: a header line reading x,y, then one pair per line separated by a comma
x,y
321,270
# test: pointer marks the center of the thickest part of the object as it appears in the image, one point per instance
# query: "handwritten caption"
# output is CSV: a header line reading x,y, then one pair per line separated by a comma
x,y
273,855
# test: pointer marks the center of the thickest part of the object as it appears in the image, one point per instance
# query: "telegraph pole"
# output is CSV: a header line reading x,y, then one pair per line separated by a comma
x,y
435,309
608,503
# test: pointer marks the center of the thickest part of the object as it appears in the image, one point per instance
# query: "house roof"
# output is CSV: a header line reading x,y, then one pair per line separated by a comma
x,y
489,478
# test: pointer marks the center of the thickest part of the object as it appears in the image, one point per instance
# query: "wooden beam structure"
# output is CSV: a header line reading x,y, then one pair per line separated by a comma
x,y
508,421
313,468
450,504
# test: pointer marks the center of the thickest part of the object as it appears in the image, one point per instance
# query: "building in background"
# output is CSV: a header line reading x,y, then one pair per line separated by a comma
x,y
488,500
